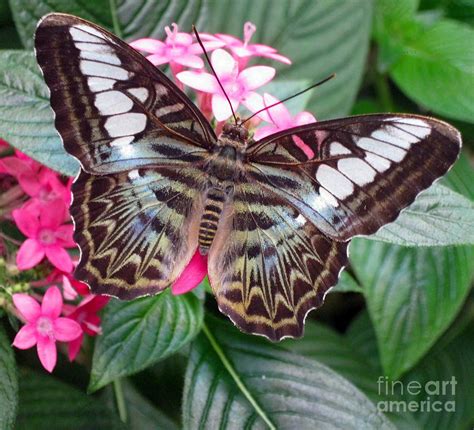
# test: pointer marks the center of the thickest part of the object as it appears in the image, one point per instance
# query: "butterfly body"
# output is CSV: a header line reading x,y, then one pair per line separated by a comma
x,y
274,216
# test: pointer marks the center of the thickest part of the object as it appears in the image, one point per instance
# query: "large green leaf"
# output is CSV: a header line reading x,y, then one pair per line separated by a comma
x,y
133,19
236,381
412,294
47,403
138,333
451,357
436,69
438,217
461,177
319,36
8,383
26,119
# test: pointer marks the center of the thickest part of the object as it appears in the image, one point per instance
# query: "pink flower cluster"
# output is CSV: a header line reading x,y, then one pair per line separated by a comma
x,y
40,209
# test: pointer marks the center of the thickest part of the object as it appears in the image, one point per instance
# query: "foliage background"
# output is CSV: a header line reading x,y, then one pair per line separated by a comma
x,y
403,311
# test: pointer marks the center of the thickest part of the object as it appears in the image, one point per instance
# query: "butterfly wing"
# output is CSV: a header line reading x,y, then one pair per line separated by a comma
x,y
137,230
353,175
114,110
268,265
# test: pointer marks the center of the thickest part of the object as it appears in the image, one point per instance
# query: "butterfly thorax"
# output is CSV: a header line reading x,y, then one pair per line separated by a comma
x,y
223,168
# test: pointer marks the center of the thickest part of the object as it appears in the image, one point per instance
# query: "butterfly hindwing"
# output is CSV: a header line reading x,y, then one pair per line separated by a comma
x,y
114,110
137,230
351,176
269,266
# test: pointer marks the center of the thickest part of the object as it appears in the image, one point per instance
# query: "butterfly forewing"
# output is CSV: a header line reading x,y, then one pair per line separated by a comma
x,y
114,110
353,175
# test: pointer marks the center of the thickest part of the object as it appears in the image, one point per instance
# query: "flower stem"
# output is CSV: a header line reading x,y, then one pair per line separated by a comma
x,y
120,399
115,22
383,92
238,381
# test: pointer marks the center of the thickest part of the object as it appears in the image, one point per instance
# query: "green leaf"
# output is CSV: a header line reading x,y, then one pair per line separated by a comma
x,y
138,333
338,352
346,284
8,383
436,70
26,119
318,36
239,381
438,217
461,177
47,403
143,414
133,19
412,294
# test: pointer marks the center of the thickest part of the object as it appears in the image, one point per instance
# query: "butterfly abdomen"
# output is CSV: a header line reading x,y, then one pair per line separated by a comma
x,y
210,219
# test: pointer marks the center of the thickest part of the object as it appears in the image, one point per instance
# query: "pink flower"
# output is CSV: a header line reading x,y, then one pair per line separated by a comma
x,y
44,326
178,49
192,275
280,119
46,234
86,315
243,50
237,85
20,166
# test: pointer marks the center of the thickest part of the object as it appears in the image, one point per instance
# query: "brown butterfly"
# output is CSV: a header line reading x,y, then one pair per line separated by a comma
x,y
157,184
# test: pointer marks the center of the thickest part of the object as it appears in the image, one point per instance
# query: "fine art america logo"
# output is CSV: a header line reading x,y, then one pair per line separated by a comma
x,y
415,396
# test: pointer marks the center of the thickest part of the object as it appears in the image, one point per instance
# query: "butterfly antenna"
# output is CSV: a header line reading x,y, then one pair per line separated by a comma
x,y
213,71
290,97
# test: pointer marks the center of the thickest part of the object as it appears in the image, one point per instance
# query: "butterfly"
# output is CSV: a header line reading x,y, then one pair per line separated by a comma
x,y
157,184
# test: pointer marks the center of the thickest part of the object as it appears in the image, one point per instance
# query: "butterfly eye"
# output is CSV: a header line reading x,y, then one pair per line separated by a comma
x,y
243,133
227,128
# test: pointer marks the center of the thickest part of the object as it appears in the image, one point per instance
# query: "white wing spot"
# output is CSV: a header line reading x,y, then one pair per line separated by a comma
x,y
122,141
328,197
334,182
169,109
300,219
140,93
100,84
92,68
391,152
125,124
80,35
378,163
160,90
337,149
104,57
112,102
356,170
133,174
90,30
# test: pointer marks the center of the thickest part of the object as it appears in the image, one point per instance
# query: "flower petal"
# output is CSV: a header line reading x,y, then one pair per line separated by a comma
x,y
221,108
52,304
29,255
192,275
200,81
59,258
64,236
26,220
304,118
195,48
157,59
26,337
47,352
224,64
152,46
256,76
52,215
190,60
264,131
66,329
74,347
28,307
279,114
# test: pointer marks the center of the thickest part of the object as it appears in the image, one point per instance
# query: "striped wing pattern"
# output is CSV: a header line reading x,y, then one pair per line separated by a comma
x,y
136,230
356,174
114,110
269,266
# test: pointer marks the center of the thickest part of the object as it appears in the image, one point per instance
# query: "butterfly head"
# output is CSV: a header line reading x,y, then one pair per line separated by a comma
x,y
235,132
